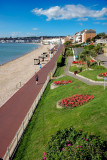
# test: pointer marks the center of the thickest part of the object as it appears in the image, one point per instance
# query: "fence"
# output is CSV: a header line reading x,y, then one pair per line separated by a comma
x,y
16,140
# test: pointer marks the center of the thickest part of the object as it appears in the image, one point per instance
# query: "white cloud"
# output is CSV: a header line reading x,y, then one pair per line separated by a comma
x,y
102,18
104,23
96,22
70,12
83,19
35,29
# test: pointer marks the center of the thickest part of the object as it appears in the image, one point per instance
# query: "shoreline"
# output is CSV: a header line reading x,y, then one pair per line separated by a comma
x,y
14,74
24,53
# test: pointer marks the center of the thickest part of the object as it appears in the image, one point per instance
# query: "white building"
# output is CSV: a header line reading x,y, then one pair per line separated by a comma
x,y
101,41
53,41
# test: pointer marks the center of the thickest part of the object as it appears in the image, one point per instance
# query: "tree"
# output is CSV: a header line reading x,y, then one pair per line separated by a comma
x,y
69,53
98,49
88,40
68,44
101,34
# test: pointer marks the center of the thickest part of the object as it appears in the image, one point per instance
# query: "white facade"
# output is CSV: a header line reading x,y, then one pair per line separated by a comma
x,y
101,41
53,41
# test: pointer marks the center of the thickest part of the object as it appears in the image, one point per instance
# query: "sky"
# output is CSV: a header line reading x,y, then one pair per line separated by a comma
x,y
21,18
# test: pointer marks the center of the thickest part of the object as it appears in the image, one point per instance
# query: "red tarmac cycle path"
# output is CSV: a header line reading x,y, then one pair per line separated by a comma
x,y
13,112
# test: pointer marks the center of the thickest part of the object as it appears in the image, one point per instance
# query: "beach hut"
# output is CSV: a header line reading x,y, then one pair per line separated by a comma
x,y
36,61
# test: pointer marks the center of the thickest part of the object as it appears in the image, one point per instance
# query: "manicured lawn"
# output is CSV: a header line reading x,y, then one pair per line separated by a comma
x,y
75,68
47,119
92,74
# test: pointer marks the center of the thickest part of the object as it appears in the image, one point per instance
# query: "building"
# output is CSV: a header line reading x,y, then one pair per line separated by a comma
x,y
89,34
77,52
82,36
101,41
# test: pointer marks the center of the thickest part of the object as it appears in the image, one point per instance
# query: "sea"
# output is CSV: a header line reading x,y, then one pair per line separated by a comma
x,y
11,51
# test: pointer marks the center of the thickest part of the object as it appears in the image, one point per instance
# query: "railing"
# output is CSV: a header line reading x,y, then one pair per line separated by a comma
x,y
16,140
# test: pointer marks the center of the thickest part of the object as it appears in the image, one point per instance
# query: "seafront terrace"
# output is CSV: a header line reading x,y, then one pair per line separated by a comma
x,y
17,111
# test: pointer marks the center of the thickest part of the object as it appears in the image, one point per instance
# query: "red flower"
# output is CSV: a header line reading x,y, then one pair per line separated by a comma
x,y
62,82
76,100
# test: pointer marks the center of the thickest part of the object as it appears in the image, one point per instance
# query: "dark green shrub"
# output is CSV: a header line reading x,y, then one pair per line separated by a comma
x,y
88,63
80,69
93,64
70,144
69,53
59,60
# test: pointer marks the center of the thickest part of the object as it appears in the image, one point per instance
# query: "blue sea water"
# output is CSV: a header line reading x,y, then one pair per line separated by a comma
x,y
11,51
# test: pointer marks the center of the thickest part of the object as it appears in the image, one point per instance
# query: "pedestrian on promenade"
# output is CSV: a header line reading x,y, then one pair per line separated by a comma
x,y
36,78
40,66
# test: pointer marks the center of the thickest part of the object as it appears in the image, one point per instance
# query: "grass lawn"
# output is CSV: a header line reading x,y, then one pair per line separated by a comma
x,y
75,68
92,74
47,119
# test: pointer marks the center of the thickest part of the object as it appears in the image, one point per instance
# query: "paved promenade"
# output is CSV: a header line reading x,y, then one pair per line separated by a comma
x,y
13,112
79,77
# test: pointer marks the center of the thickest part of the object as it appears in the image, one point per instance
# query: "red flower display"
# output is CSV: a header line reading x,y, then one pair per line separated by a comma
x,y
103,74
78,62
92,60
62,82
76,100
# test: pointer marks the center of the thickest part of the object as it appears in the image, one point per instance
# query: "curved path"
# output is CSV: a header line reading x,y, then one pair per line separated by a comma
x,y
13,112
79,77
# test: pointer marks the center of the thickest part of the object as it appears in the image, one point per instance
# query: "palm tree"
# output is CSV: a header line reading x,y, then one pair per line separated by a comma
x,y
98,49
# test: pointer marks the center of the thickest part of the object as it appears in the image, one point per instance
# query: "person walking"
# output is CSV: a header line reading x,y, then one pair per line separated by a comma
x,y
36,78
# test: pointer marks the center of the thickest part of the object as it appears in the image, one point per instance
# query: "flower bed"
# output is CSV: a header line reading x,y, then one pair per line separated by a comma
x,y
74,101
74,144
78,62
103,74
92,61
62,82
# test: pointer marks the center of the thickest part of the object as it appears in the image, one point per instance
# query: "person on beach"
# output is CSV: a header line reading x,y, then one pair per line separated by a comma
x,y
36,78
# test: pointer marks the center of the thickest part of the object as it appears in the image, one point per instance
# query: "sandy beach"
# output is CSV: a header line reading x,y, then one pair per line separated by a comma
x,y
15,74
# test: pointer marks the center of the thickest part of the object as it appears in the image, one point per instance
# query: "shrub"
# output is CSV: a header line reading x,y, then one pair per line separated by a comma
x,y
61,61
69,53
74,144
92,65
80,69
88,63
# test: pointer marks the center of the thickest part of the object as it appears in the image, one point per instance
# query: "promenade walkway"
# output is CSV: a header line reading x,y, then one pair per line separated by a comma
x,y
13,112
79,77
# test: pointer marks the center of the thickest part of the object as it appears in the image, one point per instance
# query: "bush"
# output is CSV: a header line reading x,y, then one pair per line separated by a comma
x,y
80,69
98,67
69,53
61,61
74,144
92,65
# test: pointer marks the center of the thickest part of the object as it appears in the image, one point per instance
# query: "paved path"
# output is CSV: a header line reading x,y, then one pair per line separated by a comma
x,y
81,78
103,59
13,112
